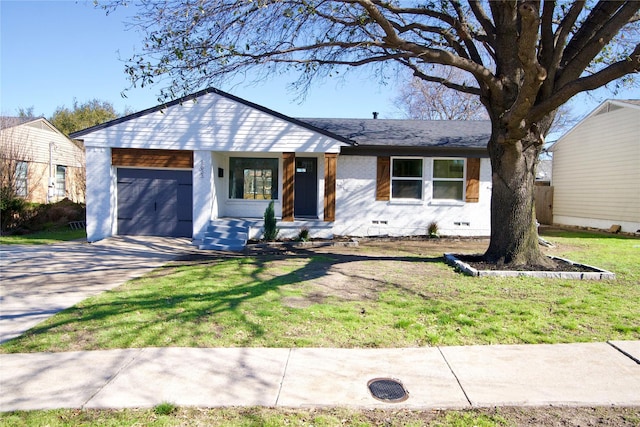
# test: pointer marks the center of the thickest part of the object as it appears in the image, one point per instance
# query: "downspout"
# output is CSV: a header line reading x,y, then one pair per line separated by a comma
x,y
51,143
51,185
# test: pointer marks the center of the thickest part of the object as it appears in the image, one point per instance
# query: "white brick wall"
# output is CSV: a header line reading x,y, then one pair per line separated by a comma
x,y
101,204
359,214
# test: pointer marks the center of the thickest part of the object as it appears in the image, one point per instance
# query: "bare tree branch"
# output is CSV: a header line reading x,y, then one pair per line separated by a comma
x,y
599,39
591,82
557,49
428,98
444,81
534,74
598,16
483,19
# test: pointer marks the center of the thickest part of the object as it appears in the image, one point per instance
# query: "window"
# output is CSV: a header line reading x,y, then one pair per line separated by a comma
x,y
252,178
406,178
21,179
448,179
61,181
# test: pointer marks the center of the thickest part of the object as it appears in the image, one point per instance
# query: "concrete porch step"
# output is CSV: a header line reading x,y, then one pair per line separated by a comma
x,y
226,235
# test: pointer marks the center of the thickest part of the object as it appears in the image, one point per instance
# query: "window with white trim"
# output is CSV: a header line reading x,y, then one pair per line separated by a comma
x,y
21,179
61,181
406,178
448,179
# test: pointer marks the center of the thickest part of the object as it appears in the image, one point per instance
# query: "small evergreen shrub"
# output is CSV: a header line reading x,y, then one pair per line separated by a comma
x,y
303,234
270,229
432,230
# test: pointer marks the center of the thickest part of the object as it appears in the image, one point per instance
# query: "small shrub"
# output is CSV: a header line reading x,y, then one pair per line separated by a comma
x,y
303,234
432,230
11,209
270,229
165,408
21,217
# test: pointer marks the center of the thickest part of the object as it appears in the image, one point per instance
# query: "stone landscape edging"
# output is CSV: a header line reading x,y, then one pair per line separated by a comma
x,y
596,274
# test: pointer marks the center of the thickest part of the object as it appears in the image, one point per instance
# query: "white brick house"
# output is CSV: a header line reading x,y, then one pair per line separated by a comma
x,y
178,168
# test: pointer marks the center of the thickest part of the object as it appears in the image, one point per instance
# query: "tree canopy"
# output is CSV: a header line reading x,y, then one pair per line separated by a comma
x,y
550,49
82,116
524,58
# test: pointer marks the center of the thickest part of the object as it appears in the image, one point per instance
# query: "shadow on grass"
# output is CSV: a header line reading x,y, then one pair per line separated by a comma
x,y
146,316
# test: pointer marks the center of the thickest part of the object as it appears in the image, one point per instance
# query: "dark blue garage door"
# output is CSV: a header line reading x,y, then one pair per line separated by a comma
x,y
155,202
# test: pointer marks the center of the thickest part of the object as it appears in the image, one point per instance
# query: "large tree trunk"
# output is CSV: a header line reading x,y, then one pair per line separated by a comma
x,y
514,234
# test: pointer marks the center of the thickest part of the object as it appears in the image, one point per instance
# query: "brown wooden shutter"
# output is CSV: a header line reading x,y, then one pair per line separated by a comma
x,y
473,180
330,163
288,176
383,178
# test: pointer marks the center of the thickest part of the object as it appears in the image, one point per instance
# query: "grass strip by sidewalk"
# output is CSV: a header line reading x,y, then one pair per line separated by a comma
x,y
353,297
328,417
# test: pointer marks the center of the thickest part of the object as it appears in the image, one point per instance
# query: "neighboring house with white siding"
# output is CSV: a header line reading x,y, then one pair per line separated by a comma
x,y
187,167
596,169
39,161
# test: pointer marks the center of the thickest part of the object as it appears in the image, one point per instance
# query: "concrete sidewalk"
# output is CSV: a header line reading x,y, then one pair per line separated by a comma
x,y
435,377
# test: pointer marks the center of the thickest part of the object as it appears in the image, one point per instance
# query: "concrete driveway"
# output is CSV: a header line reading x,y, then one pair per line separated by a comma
x,y
37,281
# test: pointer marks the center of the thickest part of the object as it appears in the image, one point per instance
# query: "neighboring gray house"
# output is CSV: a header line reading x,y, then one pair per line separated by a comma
x,y
596,169
186,167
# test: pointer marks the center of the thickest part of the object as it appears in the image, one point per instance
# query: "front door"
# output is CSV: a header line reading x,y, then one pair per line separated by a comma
x,y
306,188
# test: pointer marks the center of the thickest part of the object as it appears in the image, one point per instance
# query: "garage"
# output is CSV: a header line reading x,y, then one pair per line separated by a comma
x,y
155,202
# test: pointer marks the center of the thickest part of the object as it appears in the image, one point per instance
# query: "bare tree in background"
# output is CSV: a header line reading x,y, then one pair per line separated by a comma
x,y
425,100
14,173
419,99
14,152
78,175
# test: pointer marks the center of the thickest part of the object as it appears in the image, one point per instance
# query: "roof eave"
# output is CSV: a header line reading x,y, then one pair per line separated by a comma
x,y
219,92
424,151
595,111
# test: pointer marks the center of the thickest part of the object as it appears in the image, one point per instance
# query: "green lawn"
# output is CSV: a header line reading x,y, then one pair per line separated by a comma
x,y
44,237
385,294
327,417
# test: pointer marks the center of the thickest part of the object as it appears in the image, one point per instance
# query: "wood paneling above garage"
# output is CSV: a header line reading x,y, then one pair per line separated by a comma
x,y
145,158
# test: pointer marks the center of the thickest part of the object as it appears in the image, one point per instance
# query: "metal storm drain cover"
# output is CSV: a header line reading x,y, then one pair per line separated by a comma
x,y
388,390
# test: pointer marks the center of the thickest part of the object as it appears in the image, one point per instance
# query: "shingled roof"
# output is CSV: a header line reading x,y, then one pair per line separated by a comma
x,y
366,136
398,137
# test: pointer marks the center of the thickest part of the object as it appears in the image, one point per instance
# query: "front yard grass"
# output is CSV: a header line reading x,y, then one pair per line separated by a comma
x,y
380,294
328,417
47,237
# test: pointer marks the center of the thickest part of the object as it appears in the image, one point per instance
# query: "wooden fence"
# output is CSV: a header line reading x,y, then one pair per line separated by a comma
x,y
543,196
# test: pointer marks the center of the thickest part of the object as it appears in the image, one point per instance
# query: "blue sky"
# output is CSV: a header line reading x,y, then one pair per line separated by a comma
x,y
53,52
